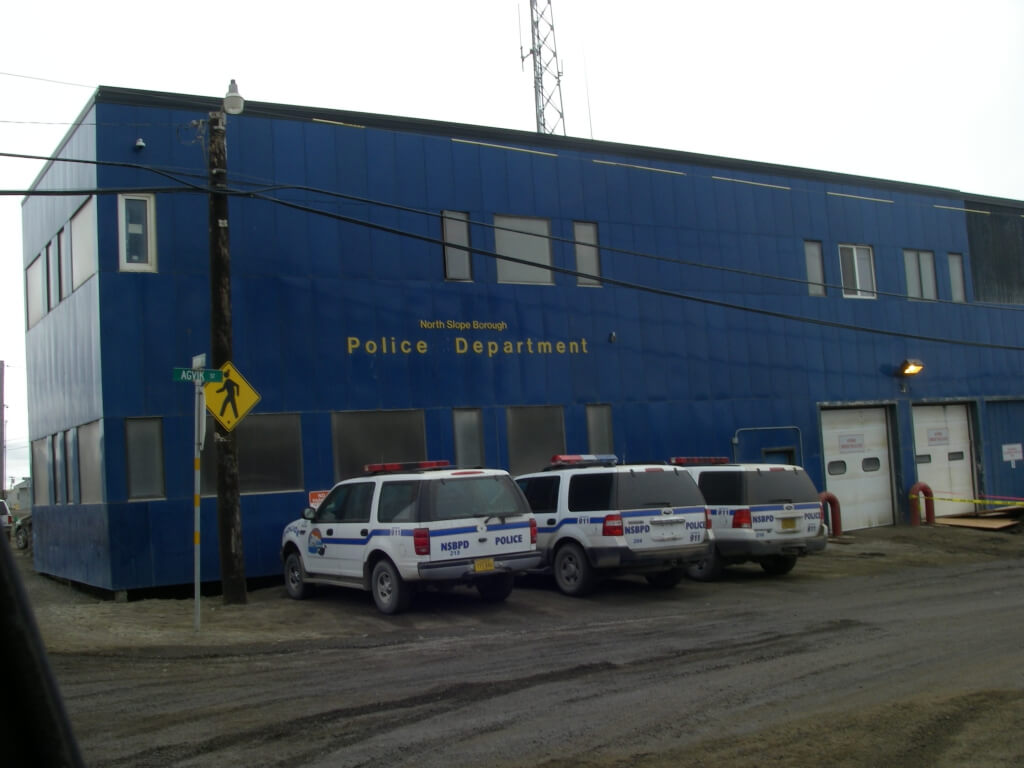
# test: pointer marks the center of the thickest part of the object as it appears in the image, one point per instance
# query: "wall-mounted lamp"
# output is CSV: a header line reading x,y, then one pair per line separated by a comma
x,y
910,367
140,143
233,101
612,337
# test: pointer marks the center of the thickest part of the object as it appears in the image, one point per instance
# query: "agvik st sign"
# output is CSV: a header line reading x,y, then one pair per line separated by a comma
x,y
230,399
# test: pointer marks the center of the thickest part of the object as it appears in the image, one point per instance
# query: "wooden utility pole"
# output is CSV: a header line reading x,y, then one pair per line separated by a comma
x,y
229,515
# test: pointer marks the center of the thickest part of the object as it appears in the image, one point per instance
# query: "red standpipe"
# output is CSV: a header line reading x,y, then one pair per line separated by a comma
x,y
917,490
829,500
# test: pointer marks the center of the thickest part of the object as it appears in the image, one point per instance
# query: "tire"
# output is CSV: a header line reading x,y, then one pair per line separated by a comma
x,y
495,589
778,565
21,537
665,579
574,574
390,593
708,569
295,577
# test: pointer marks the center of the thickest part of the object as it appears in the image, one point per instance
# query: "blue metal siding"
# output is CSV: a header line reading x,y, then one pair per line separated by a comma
x,y
310,294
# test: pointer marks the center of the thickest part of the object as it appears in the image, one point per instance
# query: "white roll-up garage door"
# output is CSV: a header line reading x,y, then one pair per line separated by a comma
x,y
857,466
943,454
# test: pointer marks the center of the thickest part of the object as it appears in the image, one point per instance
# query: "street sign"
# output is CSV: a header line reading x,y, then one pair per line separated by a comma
x,y
192,375
230,399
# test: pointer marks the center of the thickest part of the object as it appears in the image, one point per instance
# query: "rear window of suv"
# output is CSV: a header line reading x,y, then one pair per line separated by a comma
x,y
762,486
450,498
595,492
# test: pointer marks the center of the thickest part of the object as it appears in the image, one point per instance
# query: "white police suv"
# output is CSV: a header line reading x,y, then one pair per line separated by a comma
x,y
767,513
597,518
403,526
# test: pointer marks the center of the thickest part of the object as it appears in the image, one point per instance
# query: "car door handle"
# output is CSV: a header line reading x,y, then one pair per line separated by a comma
x,y
551,521
364,532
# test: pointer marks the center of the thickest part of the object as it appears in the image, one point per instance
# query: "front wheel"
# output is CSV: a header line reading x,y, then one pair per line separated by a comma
x,y
390,592
21,537
495,589
295,577
574,574
778,565
665,579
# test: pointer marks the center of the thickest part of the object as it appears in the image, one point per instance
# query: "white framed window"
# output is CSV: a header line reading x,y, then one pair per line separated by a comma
x,y
527,239
455,232
815,268
920,268
136,226
957,286
857,264
588,260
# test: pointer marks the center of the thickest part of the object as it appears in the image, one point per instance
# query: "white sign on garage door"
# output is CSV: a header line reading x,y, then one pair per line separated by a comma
x,y
943,453
857,466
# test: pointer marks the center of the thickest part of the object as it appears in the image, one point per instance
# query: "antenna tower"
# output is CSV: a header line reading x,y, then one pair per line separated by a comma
x,y
547,75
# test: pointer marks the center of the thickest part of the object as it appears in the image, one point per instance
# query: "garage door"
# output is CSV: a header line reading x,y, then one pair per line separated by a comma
x,y
943,453
857,467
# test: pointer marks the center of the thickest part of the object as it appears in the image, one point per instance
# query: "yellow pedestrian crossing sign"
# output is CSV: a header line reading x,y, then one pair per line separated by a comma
x,y
230,399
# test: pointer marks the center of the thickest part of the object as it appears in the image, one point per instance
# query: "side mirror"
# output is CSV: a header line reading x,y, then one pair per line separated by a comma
x,y
308,513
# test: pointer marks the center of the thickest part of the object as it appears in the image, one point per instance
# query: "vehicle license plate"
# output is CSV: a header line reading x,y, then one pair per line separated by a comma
x,y
788,523
482,564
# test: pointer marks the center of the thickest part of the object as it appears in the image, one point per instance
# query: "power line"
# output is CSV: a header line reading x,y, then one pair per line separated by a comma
x,y
261,195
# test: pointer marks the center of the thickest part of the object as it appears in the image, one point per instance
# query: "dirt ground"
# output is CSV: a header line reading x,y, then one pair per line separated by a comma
x,y
72,620
901,647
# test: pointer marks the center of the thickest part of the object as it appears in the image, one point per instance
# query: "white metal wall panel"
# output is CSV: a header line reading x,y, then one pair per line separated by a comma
x,y
857,466
944,455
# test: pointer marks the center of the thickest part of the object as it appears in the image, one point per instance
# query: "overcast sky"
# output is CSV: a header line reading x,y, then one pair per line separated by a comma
x,y
925,91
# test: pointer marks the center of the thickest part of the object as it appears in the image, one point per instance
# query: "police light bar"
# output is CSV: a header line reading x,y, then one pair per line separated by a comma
x,y
698,460
561,459
405,466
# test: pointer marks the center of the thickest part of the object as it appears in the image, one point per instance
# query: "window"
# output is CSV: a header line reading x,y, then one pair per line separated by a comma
x,y
269,454
53,273
35,290
534,436
144,458
455,231
90,462
365,437
871,464
857,264
84,251
837,467
956,277
347,504
42,472
588,260
920,266
469,437
541,493
815,268
71,467
64,258
398,502
137,227
57,463
599,429
527,239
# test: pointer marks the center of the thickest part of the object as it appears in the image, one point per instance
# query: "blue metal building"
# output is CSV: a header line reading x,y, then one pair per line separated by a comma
x,y
653,304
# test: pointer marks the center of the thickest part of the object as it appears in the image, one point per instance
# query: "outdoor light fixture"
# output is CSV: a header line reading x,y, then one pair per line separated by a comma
x,y
910,367
233,101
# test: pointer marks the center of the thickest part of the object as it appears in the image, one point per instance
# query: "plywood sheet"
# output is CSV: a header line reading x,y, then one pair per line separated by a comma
x,y
989,523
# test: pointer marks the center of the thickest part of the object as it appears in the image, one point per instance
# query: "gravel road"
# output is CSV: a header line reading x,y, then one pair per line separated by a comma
x,y
897,646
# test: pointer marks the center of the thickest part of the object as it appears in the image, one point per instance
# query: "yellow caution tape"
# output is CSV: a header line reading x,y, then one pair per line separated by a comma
x,y
999,502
